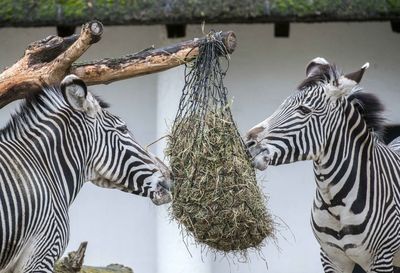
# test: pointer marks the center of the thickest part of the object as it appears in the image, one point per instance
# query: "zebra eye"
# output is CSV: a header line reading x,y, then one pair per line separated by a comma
x,y
304,110
123,129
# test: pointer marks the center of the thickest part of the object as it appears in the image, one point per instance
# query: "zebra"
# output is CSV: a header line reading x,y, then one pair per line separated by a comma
x,y
395,145
60,138
330,120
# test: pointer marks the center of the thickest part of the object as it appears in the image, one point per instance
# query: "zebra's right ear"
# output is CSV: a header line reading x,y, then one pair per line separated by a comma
x,y
74,91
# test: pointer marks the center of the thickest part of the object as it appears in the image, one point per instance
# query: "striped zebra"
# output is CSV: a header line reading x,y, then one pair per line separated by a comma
x,y
395,145
331,121
59,139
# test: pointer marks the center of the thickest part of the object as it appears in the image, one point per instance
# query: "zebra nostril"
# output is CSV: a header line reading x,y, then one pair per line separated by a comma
x,y
166,185
250,143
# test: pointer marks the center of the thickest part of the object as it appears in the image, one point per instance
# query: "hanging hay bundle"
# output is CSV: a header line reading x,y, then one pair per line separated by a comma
x,y
216,197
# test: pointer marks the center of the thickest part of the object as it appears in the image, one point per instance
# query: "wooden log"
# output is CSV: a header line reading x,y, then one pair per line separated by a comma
x,y
48,61
148,61
73,263
112,268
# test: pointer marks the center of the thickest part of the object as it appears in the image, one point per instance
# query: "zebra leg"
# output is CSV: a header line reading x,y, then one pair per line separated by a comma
x,y
43,260
46,266
383,263
342,265
328,265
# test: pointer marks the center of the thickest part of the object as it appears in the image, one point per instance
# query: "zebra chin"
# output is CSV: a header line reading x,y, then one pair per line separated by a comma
x,y
261,162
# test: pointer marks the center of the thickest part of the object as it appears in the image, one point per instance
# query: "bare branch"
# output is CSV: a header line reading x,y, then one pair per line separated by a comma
x,y
90,33
144,62
48,61
73,263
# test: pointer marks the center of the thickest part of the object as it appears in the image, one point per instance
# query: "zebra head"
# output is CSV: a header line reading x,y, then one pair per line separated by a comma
x,y
116,160
300,128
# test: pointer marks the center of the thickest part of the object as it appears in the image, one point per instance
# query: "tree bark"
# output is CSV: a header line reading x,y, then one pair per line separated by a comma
x,y
48,61
72,263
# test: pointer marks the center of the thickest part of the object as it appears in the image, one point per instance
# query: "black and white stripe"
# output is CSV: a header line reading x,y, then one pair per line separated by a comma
x,y
395,145
61,138
330,120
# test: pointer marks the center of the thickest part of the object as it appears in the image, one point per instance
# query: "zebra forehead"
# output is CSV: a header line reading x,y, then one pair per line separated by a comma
x,y
296,97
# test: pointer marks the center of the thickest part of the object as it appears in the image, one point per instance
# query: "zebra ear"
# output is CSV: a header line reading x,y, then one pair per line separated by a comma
x,y
75,93
314,66
347,82
357,76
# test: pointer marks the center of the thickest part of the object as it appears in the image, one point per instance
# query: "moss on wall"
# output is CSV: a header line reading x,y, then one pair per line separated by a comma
x,y
75,12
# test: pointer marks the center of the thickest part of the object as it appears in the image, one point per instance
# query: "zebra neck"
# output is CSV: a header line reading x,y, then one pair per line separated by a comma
x,y
56,144
343,173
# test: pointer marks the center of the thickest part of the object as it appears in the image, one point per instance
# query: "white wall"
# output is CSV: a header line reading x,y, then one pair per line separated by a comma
x,y
263,71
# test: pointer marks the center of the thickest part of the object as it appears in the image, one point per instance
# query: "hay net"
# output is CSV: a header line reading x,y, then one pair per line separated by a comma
x,y
204,91
216,198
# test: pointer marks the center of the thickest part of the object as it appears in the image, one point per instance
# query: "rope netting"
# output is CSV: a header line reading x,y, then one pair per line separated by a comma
x,y
216,198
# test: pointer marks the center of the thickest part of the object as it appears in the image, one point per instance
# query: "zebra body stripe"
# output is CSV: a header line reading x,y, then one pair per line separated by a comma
x,y
60,139
331,121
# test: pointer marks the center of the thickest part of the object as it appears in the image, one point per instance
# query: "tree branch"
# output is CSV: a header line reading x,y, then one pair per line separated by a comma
x,y
145,62
45,62
73,263
48,61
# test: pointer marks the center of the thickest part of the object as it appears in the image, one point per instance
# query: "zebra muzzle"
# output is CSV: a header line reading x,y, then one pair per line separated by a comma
x,y
260,158
165,185
162,194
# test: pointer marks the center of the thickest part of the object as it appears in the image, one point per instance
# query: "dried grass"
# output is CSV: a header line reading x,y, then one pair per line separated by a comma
x,y
216,197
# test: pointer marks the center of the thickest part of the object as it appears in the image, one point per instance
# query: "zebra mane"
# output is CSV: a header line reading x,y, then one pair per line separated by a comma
x,y
371,109
103,104
49,97
368,105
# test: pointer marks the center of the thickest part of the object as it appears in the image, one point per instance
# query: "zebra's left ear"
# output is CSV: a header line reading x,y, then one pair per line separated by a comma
x,y
75,93
345,84
357,76
348,81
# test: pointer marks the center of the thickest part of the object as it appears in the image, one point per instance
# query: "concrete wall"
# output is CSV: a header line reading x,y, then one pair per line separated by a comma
x,y
263,71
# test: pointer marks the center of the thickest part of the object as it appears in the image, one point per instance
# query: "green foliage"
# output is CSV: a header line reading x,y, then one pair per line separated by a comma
x,y
51,12
352,9
74,9
394,5
6,10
